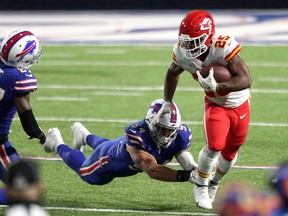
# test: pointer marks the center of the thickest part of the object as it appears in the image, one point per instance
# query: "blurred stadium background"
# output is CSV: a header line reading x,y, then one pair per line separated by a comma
x,y
144,4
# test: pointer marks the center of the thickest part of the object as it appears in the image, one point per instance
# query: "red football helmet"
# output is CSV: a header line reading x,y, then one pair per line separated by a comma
x,y
196,32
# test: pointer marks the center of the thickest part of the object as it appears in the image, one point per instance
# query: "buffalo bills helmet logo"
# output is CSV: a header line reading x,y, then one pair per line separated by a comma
x,y
28,50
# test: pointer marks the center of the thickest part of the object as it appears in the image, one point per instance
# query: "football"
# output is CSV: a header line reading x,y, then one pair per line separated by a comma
x,y
221,73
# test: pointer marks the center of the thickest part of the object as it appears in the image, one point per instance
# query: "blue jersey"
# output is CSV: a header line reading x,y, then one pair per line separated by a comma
x,y
13,82
110,158
138,136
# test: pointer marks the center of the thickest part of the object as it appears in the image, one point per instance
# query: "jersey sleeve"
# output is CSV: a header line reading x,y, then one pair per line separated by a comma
x,y
184,138
232,49
26,82
134,137
174,54
226,47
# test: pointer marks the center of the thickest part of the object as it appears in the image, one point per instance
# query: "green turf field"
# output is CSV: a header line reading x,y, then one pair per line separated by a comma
x,y
109,87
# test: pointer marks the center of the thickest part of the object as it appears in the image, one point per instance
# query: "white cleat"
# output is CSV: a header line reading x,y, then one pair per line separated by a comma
x,y
80,134
201,197
212,190
54,139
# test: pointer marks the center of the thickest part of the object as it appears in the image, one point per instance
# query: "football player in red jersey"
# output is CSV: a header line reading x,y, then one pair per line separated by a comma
x,y
19,50
226,116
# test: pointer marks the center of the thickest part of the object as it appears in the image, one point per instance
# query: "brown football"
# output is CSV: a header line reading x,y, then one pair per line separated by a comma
x,y
221,73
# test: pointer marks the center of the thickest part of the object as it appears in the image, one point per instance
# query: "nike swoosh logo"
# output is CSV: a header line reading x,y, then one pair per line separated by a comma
x,y
29,75
242,116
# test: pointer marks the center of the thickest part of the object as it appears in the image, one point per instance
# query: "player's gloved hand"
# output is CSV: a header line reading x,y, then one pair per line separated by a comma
x,y
193,176
166,108
185,175
208,83
41,136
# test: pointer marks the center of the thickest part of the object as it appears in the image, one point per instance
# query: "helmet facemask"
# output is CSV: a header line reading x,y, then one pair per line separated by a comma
x,y
34,60
193,47
164,135
163,129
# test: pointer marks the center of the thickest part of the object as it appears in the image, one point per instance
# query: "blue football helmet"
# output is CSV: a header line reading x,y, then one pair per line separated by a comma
x,y
164,128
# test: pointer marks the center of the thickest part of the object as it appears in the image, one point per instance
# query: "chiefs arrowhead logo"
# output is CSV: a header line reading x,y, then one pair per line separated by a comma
x,y
206,24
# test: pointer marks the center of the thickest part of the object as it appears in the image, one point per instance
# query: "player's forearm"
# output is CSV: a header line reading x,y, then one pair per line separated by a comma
x,y
29,124
170,86
162,173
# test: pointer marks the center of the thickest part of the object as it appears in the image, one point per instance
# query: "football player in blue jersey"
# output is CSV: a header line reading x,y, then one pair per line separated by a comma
x,y
19,50
147,146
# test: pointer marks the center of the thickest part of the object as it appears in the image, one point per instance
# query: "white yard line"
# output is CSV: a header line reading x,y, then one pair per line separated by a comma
x,y
148,88
124,211
61,99
250,167
48,63
260,124
131,211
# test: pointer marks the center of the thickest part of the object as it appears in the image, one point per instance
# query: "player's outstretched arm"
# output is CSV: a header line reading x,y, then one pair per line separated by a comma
x,y
149,165
171,81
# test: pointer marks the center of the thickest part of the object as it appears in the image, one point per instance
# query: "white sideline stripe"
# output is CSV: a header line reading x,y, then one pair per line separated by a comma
x,y
148,88
123,211
169,164
261,124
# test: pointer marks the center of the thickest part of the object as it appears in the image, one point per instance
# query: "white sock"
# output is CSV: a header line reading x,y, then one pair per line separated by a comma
x,y
223,166
206,163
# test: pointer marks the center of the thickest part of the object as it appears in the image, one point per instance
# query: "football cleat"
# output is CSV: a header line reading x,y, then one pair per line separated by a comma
x,y
54,139
201,197
212,190
80,134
